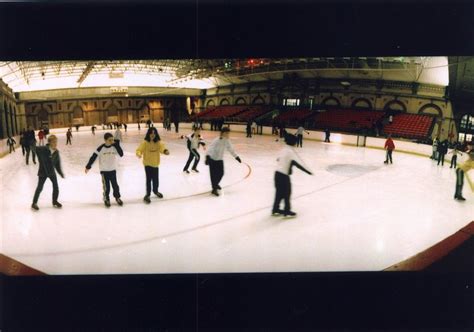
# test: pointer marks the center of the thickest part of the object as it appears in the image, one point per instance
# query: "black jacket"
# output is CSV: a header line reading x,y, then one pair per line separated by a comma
x,y
48,162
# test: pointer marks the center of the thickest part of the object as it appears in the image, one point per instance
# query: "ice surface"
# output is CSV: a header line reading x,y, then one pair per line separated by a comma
x,y
354,214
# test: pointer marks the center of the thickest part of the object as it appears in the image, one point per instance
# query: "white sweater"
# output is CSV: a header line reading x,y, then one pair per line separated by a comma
x,y
217,147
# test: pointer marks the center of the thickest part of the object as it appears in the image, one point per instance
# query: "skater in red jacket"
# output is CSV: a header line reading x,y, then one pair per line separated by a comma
x,y
389,146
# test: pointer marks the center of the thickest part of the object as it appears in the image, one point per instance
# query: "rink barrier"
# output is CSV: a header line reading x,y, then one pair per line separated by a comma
x,y
436,252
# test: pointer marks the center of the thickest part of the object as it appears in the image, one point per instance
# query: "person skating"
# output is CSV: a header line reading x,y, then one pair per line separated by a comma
x,y
11,143
49,163
442,150
30,145
286,160
41,137
454,158
299,136
77,128
193,141
125,127
215,156
22,142
93,130
150,149
389,146
461,170
248,129
68,136
435,149
328,134
254,128
107,154
118,135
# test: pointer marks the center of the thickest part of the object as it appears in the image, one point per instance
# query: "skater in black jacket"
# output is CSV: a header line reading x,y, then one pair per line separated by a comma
x,y
193,141
49,164
11,143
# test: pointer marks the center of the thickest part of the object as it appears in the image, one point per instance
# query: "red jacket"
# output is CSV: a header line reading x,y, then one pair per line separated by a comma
x,y
41,134
389,145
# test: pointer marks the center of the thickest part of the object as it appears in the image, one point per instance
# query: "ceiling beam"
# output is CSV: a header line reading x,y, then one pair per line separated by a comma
x,y
86,72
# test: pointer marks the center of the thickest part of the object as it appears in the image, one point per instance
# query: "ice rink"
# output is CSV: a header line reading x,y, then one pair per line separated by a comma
x,y
354,213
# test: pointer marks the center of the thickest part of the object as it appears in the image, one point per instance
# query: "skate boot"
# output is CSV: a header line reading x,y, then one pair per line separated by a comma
x,y
158,194
276,213
289,214
215,192
119,201
460,198
186,171
218,187
147,199
195,170
107,203
57,205
35,207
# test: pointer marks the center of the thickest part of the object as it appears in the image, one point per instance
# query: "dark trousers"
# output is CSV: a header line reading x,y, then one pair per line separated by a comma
x,y
454,161
152,175
441,158
32,149
283,191
216,169
282,132
39,188
193,154
299,140
249,133
327,139
108,178
459,183
274,131
12,148
176,126
389,157
68,141
23,149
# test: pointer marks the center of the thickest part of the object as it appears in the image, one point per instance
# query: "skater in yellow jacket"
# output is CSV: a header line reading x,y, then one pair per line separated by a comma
x,y
151,149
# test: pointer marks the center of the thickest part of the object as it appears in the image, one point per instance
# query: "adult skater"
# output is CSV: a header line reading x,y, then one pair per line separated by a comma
x,y
248,129
125,127
215,156
281,129
299,135
193,141
11,143
328,134
77,127
460,171
93,130
107,154
118,135
287,158
150,149
254,128
442,150
389,146
22,141
68,136
30,145
435,149
138,125
454,158
41,137
49,164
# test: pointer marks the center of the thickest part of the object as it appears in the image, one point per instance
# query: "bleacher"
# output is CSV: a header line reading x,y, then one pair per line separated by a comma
x,y
252,112
410,126
293,117
347,120
219,112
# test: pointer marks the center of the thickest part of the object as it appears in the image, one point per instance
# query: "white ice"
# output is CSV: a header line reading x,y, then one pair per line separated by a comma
x,y
354,214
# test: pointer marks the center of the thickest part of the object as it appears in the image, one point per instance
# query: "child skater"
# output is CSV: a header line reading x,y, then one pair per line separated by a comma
x,y
454,158
389,146
193,141
11,143
68,136
215,156
299,135
286,160
107,154
49,164
150,149
460,171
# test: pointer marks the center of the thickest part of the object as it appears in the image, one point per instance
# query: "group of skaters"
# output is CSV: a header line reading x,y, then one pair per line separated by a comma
x,y
440,150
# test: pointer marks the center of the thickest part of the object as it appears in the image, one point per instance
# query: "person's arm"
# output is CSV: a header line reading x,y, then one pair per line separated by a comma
x,y
140,149
230,148
119,149
93,158
163,149
58,166
298,165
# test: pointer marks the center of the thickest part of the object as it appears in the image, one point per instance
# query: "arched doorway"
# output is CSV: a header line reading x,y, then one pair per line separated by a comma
x,y
224,102
240,101
210,103
43,119
258,101
431,109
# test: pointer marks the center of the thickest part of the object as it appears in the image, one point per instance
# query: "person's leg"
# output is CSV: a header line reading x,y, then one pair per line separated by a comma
x,y
33,152
301,140
148,180
155,176
28,151
442,159
220,172
390,156
54,180
213,172
39,188
452,162
386,157
106,185
455,161
278,192
459,183
196,160
287,193
115,186
188,162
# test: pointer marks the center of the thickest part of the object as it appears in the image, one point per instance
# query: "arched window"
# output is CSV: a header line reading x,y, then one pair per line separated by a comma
x,y
467,123
240,101
362,103
331,101
431,109
258,101
210,103
224,101
395,105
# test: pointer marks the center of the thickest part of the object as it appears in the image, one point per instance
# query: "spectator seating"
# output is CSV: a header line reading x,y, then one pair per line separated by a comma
x,y
347,120
218,112
410,126
252,112
293,117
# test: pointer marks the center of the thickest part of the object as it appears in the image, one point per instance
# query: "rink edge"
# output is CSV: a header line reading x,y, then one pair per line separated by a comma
x,y
433,254
12,267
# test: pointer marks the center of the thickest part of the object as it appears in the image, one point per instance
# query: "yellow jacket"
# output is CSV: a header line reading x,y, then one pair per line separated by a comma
x,y
151,152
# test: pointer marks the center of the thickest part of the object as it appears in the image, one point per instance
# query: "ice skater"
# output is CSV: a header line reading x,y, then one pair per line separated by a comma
x,y
462,170
22,141
30,145
299,135
41,137
11,143
49,164
215,156
69,136
93,130
107,154
389,146
454,158
150,149
287,158
118,135
434,156
327,134
193,141
248,129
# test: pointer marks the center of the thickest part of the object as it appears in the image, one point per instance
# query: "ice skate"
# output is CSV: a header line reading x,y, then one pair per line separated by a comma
x,y
35,207
146,199
57,205
119,201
